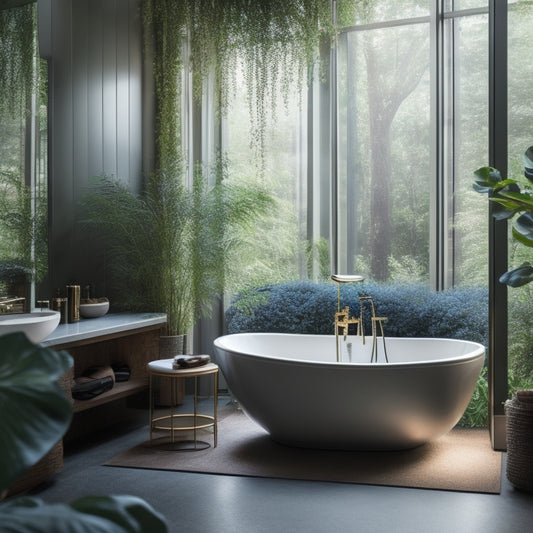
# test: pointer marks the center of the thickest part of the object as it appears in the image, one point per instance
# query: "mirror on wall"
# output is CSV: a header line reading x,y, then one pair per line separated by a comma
x,y
23,154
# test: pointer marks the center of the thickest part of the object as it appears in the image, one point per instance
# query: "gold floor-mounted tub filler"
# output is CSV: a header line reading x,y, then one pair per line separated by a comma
x,y
343,321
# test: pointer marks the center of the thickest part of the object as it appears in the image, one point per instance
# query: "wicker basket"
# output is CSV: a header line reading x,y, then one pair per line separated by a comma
x,y
519,411
40,472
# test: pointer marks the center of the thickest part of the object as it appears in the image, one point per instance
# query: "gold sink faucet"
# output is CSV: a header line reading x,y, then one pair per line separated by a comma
x,y
11,305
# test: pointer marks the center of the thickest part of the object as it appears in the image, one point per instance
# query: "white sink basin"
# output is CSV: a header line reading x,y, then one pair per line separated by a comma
x,y
37,325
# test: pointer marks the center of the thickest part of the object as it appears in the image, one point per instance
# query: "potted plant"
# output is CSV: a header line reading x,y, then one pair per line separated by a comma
x,y
170,248
35,416
513,199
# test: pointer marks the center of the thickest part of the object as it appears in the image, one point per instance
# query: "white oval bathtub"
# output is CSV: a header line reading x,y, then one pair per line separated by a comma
x,y
292,386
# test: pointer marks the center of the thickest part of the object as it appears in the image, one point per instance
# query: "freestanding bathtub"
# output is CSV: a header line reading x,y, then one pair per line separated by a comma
x,y
294,388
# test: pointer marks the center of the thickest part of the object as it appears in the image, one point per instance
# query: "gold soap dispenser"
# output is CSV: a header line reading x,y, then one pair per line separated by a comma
x,y
73,295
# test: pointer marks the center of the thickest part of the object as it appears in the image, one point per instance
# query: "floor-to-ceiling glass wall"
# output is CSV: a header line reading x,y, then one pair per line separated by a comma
x,y
373,164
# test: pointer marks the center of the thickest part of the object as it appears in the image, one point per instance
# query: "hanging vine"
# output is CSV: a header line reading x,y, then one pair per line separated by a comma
x,y
276,41
18,26
164,25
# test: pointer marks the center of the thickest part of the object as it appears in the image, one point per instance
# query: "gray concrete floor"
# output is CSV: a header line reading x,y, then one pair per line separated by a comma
x,y
204,503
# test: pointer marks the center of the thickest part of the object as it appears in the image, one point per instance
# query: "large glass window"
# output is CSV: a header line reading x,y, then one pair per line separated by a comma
x,y
384,152
372,166
465,147
279,251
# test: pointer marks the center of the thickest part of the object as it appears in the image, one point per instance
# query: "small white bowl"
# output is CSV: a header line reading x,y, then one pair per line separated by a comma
x,y
94,310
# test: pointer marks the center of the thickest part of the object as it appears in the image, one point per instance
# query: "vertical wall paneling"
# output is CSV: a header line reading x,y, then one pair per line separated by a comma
x,y
80,115
94,90
95,119
122,93
135,98
61,140
109,85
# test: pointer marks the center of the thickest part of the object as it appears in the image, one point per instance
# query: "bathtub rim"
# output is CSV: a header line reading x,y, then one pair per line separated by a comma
x,y
478,350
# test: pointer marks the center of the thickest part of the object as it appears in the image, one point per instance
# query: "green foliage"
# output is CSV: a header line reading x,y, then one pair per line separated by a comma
x,y
102,514
170,248
477,412
23,231
18,26
318,259
520,345
512,199
23,211
163,23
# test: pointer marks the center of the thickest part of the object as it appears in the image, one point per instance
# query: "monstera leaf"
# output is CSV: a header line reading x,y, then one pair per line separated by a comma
x,y
35,412
518,276
104,514
511,199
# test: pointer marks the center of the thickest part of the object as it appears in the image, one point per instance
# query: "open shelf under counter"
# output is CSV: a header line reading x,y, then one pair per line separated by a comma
x,y
126,338
119,390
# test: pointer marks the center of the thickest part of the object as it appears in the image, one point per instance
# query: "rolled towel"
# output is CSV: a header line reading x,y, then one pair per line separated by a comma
x,y
190,361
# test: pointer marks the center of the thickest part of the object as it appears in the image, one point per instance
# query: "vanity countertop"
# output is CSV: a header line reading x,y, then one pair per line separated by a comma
x,y
110,324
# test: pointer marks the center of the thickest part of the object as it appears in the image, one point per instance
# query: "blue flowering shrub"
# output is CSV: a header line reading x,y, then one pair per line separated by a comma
x,y
411,310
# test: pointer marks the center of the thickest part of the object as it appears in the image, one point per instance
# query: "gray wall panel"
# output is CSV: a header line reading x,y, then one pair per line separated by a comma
x,y
135,100
123,88
109,86
80,115
94,88
61,141
95,121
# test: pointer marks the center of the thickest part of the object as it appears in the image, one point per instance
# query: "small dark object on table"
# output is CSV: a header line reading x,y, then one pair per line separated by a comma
x,y
190,361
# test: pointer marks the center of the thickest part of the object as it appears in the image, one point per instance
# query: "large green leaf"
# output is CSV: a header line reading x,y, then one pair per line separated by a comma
x,y
109,514
502,209
35,412
518,276
522,200
486,178
523,229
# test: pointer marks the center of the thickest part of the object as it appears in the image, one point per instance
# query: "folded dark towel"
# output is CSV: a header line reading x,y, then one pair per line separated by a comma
x,y
87,388
190,361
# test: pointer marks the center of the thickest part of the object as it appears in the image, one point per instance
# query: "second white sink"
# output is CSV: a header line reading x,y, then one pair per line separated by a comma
x,y
37,325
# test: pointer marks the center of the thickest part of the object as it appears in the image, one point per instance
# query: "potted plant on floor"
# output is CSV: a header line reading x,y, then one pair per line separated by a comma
x,y
35,416
513,200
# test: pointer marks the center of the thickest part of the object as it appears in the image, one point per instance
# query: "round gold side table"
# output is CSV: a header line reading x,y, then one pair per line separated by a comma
x,y
163,368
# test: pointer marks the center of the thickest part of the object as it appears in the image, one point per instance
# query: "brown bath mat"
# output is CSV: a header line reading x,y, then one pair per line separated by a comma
x,y
462,460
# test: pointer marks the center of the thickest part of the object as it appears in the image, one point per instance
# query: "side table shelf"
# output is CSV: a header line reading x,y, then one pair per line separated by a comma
x,y
172,422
